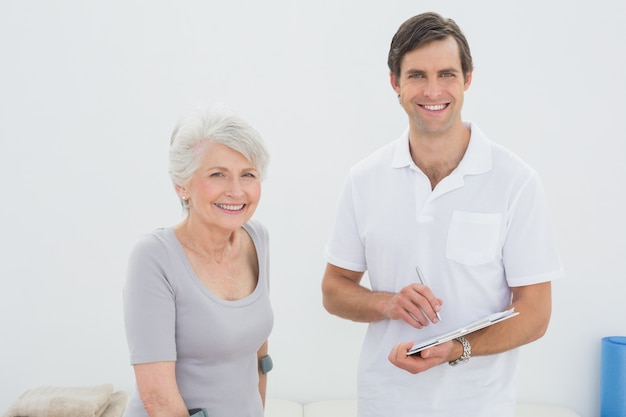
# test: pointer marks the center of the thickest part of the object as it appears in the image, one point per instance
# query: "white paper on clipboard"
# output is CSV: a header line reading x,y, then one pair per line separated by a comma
x,y
472,327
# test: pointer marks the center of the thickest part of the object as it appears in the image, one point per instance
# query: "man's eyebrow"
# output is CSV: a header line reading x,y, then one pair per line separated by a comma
x,y
414,71
454,70
441,71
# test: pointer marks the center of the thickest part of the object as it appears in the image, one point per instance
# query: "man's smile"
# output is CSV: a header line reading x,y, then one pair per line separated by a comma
x,y
434,107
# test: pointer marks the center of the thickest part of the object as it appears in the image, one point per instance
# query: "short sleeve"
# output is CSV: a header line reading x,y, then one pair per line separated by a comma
x,y
149,304
345,247
530,253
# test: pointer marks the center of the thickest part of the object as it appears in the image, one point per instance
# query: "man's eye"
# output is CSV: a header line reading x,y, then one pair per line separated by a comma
x,y
447,75
416,76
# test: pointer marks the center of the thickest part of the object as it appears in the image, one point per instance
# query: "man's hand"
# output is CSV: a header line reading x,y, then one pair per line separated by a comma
x,y
423,361
533,302
415,304
344,296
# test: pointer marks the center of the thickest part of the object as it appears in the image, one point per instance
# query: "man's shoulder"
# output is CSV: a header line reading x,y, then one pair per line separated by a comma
x,y
503,158
507,160
378,159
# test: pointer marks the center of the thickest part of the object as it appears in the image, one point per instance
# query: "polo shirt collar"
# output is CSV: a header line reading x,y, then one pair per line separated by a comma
x,y
477,158
402,154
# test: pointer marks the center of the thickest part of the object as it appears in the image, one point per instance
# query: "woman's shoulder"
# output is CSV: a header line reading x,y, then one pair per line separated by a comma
x,y
257,231
157,241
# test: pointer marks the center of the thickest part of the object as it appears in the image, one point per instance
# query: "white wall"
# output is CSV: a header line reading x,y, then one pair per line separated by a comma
x,y
89,92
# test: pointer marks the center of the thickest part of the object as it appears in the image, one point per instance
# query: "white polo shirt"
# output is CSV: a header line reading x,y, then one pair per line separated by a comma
x,y
483,229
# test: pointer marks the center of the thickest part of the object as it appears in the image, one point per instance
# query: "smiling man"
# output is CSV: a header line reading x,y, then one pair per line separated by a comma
x,y
471,215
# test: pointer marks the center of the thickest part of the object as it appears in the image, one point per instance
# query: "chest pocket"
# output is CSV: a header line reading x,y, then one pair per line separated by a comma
x,y
473,237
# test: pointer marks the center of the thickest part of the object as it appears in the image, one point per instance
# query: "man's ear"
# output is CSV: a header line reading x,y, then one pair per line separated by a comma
x,y
395,83
468,80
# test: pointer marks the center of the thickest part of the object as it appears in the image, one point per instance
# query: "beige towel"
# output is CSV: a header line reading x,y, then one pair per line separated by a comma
x,y
64,402
117,405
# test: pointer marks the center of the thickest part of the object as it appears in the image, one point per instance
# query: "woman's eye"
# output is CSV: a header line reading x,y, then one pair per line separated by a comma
x,y
217,174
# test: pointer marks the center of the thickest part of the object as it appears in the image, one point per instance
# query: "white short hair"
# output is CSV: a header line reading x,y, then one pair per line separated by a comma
x,y
217,124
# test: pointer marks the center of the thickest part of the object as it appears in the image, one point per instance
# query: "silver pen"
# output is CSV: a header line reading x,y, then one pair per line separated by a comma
x,y
420,276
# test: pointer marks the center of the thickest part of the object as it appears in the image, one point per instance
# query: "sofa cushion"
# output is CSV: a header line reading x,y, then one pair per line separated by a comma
x,y
330,408
275,407
542,410
347,408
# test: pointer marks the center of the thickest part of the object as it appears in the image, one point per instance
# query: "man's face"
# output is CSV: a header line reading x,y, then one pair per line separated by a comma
x,y
431,87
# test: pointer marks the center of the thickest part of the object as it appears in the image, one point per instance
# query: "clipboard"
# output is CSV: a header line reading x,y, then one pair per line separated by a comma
x,y
472,327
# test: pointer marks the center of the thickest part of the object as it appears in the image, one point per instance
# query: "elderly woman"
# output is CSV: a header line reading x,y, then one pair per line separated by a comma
x,y
196,304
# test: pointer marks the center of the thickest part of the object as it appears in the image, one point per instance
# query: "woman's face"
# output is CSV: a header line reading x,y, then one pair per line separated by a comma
x,y
225,189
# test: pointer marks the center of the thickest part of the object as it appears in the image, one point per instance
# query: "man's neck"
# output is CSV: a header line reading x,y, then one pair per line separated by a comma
x,y
437,155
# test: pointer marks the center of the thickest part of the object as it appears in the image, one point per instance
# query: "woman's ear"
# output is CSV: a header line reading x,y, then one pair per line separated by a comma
x,y
180,191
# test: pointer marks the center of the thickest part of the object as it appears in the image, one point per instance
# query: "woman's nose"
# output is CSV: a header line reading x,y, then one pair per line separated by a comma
x,y
235,188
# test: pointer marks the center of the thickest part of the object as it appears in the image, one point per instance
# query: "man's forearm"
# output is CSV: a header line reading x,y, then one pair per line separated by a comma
x,y
534,304
343,296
